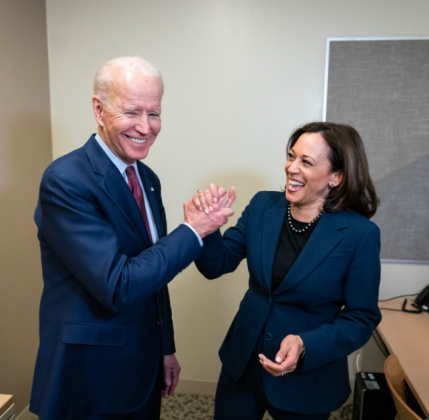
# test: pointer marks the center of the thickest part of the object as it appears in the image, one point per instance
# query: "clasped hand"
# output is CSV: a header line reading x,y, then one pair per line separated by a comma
x,y
209,210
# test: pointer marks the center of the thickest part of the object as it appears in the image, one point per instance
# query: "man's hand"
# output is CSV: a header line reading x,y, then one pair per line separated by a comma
x,y
171,374
212,219
287,357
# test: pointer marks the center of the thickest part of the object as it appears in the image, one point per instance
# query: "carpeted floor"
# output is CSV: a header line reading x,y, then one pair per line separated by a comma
x,y
201,407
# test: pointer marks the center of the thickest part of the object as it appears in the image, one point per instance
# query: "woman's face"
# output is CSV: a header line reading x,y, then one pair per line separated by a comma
x,y
308,172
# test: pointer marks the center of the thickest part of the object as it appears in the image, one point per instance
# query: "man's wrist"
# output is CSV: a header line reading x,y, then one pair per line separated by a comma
x,y
196,233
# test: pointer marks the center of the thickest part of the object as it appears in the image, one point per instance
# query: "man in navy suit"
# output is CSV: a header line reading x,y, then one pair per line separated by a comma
x,y
106,332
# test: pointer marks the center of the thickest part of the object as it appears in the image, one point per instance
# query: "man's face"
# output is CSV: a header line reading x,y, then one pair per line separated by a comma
x,y
131,121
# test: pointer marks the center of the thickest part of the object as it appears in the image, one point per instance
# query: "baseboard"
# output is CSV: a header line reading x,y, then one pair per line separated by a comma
x,y
196,387
26,415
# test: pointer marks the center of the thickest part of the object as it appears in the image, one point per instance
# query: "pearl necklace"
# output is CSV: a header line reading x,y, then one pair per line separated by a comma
x,y
308,225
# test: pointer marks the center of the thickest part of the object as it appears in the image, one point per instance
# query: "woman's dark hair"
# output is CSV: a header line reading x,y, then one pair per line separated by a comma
x,y
356,191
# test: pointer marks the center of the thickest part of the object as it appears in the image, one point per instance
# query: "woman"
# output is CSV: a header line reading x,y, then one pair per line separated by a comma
x,y
313,259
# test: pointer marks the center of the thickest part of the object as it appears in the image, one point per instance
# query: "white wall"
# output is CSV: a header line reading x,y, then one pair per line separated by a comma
x,y
240,76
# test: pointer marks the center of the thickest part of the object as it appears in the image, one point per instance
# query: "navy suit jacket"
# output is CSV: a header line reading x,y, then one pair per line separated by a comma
x,y
105,316
329,298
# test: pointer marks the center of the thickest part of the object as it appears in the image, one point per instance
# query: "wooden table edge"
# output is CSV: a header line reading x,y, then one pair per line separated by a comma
x,y
6,402
410,384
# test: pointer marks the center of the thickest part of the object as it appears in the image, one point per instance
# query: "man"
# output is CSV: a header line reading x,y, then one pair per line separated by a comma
x,y
106,333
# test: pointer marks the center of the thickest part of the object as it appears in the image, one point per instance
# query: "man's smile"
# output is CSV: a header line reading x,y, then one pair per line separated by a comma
x,y
138,141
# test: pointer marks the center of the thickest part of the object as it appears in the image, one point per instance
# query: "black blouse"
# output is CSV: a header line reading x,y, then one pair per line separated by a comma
x,y
289,247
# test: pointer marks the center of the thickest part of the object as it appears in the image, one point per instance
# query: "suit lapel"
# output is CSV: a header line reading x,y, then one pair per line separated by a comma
x,y
322,241
113,184
272,227
150,193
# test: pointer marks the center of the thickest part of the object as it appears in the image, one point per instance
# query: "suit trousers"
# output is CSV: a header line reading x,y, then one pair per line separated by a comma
x,y
246,398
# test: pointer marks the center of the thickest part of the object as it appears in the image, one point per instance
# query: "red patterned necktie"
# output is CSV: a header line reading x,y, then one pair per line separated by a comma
x,y
137,191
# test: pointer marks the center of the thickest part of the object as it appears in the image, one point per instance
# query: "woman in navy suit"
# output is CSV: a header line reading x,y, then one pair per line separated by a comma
x,y
314,273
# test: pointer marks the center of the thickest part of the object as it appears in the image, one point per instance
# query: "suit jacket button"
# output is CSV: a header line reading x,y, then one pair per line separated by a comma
x,y
158,322
268,336
270,301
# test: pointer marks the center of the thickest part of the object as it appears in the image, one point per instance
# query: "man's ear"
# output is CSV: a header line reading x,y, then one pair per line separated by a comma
x,y
98,109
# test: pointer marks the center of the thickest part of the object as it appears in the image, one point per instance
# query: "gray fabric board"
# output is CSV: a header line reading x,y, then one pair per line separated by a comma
x,y
381,87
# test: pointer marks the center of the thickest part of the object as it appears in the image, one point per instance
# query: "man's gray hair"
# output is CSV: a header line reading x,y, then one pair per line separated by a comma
x,y
103,78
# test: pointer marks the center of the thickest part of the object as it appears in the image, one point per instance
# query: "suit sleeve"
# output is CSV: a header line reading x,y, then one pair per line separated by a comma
x,y
87,244
169,346
360,315
222,254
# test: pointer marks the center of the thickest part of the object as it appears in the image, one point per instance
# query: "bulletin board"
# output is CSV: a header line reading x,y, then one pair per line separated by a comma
x,y
380,86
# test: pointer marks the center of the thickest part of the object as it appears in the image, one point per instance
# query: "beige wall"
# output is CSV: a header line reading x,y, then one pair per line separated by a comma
x,y
240,75
25,150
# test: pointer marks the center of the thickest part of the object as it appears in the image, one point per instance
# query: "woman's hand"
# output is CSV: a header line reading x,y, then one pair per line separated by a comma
x,y
213,198
287,357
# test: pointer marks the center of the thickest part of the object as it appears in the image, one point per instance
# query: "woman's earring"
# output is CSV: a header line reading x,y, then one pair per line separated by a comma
x,y
331,186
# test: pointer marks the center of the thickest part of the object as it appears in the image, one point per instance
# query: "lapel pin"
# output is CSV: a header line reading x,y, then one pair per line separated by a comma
x,y
152,189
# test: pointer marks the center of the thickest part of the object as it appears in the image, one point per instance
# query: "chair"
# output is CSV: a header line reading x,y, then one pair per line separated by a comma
x,y
396,380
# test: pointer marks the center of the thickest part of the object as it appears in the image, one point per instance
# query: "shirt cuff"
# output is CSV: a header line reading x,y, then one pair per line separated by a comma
x,y
196,234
